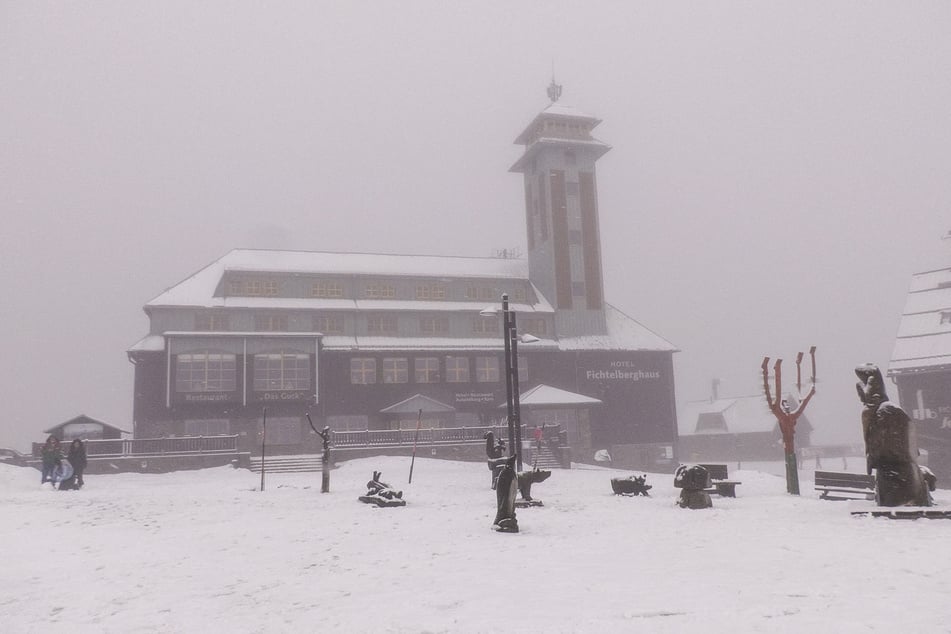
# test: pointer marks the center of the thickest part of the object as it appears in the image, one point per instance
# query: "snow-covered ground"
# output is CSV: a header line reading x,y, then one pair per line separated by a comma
x,y
207,552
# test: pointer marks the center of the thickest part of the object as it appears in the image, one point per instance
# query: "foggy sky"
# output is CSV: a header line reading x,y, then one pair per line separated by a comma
x,y
778,170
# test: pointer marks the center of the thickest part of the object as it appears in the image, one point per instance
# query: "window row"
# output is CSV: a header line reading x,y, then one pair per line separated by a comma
x,y
376,324
217,372
449,369
332,289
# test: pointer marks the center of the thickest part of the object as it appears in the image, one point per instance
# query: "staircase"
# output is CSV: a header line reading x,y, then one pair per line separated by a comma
x,y
544,458
287,464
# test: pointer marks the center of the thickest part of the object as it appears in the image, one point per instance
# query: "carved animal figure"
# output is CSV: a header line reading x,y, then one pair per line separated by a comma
x,y
890,446
381,493
692,480
634,485
505,491
494,449
527,478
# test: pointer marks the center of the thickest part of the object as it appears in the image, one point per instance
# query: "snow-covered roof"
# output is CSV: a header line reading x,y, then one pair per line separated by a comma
x,y
149,343
558,110
924,333
199,288
417,402
547,395
599,147
337,342
741,415
82,419
624,333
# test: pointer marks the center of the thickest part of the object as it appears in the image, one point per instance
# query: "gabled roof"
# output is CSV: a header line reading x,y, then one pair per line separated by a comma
x,y
82,419
199,288
546,395
740,415
924,333
417,402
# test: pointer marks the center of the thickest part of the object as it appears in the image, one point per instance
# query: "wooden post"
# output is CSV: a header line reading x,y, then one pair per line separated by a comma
x,y
412,462
263,439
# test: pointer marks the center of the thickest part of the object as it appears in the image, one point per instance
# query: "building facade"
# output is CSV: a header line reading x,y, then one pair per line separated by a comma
x,y
349,337
920,366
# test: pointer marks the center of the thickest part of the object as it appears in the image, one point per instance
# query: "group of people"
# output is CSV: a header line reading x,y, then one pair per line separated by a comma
x,y
53,464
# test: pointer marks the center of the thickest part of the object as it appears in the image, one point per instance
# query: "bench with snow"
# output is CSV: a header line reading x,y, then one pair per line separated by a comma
x,y
845,486
720,482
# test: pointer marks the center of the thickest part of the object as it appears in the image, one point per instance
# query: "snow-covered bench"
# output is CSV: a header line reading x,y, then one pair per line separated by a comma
x,y
720,481
845,486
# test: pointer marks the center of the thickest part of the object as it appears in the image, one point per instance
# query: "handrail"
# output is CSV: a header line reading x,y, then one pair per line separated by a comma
x,y
152,446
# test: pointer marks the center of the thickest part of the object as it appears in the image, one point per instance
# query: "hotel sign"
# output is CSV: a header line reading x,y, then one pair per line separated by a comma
x,y
626,371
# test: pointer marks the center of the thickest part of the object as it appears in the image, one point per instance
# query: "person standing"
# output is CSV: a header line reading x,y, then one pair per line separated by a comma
x,y
51,458
77,458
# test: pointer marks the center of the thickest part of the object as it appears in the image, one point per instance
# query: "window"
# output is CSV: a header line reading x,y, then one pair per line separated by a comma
x,y
326,288
945,317
395,370
381,324
522,368
211,322
485,325
533,326
519,295
281,371
433,325
283,431
348,422
270,323
487,369
457,369
205,372
430,291
254,288
485,293
362,371
328,324
426,370
209,427
379,290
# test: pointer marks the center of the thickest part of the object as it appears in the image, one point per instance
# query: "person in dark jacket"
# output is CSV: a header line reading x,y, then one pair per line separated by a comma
x,y
51,458
77,458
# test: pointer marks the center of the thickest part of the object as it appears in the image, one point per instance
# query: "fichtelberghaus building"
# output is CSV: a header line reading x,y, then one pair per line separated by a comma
x,y
349,337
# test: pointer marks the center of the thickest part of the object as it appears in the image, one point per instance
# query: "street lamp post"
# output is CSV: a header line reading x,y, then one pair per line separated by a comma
x,y
513,407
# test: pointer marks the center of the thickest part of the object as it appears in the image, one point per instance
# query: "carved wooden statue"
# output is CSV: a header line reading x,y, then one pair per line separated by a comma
x,y
890,447
785,415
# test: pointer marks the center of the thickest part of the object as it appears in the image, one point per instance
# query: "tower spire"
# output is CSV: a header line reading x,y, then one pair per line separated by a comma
x,y
554,89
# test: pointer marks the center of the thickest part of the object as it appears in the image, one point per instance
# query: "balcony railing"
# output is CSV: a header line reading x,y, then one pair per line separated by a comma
x,y
153,446
427,436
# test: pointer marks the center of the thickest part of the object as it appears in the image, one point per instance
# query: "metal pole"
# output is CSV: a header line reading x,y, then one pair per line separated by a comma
x,y
263,439
509,403
419,420
516,405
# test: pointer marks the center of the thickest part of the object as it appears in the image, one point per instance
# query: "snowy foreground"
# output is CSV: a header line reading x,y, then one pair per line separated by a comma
x,y
207,552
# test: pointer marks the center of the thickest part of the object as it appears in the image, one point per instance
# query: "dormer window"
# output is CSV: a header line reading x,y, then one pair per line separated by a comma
x,y
945,317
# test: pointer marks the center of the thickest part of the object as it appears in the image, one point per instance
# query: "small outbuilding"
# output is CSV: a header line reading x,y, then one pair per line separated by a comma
x,y
85,428
735,429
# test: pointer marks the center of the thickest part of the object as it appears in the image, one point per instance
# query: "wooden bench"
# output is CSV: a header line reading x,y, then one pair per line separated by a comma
x,y
720,481
845,486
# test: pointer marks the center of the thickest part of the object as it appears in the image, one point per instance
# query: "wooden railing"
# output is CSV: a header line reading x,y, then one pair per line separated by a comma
x,y
153,446
428,436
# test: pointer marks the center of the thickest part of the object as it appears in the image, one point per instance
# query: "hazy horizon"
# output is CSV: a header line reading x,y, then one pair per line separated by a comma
x,y
778,171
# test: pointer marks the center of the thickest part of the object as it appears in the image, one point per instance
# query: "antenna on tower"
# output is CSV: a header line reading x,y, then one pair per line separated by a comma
x,y
554,89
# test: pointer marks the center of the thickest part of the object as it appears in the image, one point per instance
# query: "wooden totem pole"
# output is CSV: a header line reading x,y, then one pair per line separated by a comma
x,y
785,415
